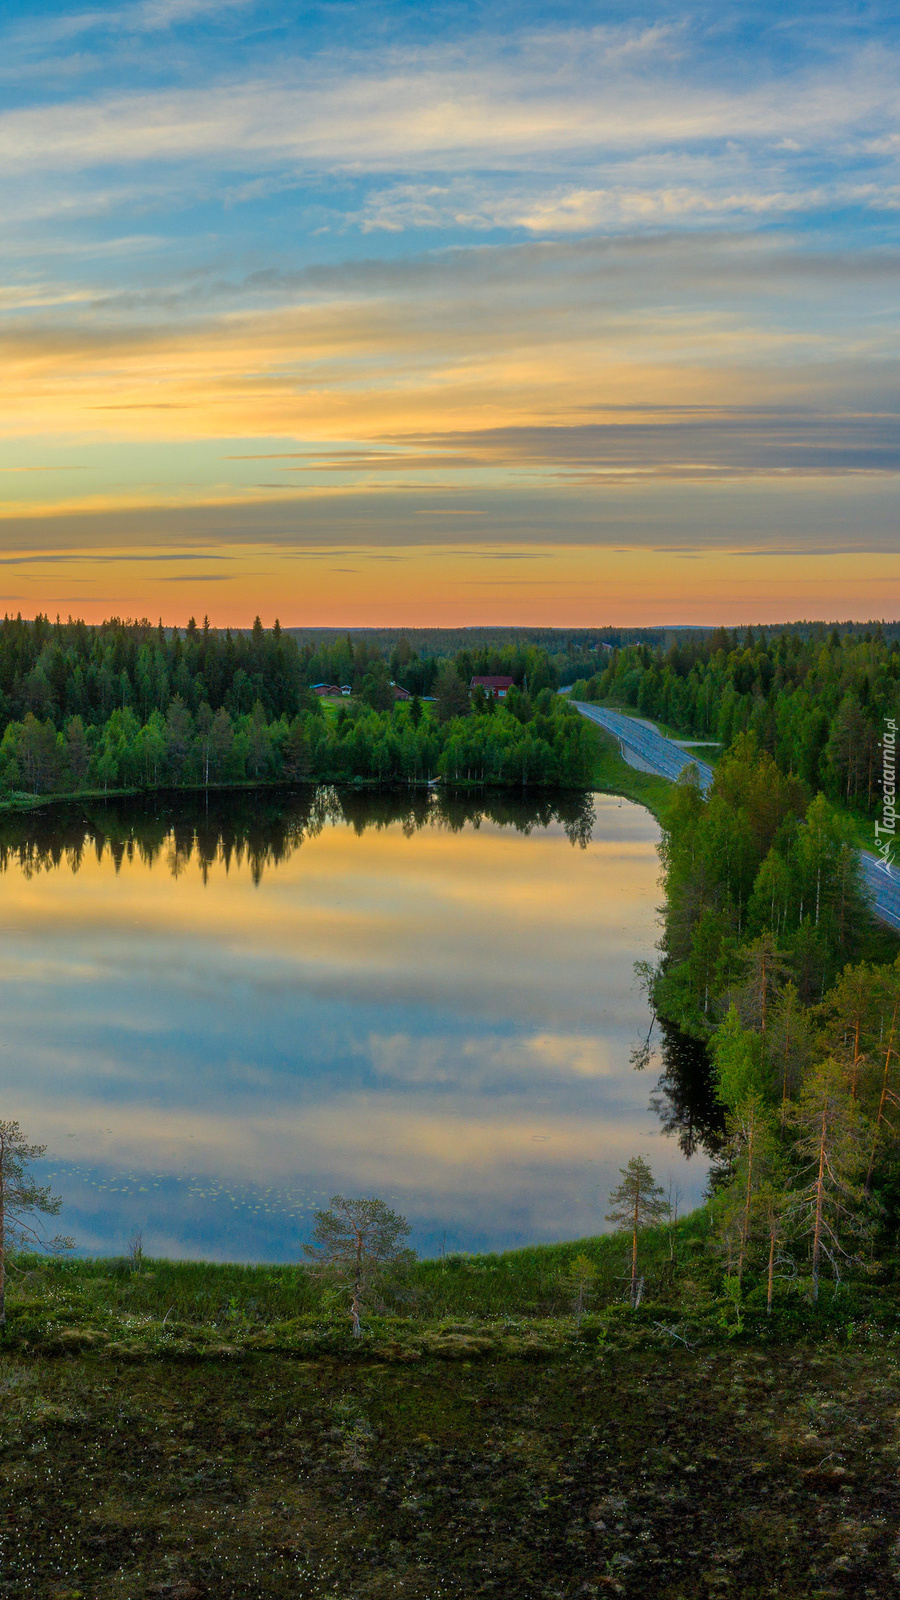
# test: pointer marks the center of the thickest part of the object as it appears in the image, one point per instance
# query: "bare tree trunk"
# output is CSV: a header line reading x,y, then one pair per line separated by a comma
x,y
634,1238
820,1199
763,998
784,1076
770,1283
854,1070
745,1223
355,1306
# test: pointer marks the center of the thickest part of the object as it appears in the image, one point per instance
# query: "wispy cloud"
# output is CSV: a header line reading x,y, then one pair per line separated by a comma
x,y
653,266
526,104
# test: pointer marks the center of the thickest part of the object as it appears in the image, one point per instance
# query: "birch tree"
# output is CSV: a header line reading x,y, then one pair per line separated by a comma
x,y
22,1203
636,1203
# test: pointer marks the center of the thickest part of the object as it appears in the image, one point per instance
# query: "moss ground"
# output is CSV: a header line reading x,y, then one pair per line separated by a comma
x,y
205,1432
632,1469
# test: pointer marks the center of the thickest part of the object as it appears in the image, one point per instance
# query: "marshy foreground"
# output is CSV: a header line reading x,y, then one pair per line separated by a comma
x,y
196,1431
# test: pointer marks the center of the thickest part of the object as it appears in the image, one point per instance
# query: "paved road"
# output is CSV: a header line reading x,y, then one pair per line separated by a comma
x,y
884,891
655,753
663,756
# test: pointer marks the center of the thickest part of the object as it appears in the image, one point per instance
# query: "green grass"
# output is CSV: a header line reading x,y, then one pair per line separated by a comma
x,y
612,775
195,1308
111,1299
667,729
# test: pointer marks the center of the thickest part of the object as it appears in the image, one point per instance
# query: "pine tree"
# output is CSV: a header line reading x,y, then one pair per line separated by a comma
x,y
356,1240
637,1202
830,1207
789,1043
849,1015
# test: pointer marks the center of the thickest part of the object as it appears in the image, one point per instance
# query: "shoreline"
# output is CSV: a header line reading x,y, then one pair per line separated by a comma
x,y
611,775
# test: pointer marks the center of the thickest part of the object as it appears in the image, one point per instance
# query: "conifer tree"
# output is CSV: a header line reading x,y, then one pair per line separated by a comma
x,y
789,1044
888,1051
849,1016
829,1206
636,1203
355,1241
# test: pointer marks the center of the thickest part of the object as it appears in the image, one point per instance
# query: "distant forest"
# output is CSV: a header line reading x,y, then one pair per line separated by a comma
x,y
133,705
815,698
129,705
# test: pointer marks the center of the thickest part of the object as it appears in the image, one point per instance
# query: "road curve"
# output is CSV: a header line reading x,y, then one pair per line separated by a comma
x,y
657,754
668,760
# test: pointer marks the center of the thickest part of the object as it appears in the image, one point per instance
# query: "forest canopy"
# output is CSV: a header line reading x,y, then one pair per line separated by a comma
x,y
127,705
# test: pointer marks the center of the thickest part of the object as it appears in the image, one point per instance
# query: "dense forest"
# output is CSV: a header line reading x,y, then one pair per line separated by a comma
x,y
815,699
131,706
58,670
770,956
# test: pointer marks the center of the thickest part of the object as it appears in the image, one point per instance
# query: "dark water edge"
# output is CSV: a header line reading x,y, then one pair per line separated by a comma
x,y
266,825
684,1098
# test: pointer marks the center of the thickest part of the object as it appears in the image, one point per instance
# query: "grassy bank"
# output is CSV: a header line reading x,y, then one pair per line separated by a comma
x,y
612,775
518,1303
165,1434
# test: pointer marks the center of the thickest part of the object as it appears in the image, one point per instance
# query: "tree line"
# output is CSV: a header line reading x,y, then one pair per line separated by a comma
x,y
524,742
816,700
59,670
769,955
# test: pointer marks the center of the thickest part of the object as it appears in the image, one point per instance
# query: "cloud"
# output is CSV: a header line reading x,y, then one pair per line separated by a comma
x,y
528,102
570,364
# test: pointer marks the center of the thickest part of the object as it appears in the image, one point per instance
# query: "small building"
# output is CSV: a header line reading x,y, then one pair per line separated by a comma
x,y
327,691
399,693
494,685
346,688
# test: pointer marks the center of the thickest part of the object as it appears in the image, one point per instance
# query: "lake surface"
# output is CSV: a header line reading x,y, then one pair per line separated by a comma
x,y
218,1015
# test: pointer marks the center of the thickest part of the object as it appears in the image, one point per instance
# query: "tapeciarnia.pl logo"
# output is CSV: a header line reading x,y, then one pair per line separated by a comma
x,y
886,829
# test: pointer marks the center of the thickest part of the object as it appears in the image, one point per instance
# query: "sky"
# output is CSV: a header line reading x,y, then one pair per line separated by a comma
x,y
476,313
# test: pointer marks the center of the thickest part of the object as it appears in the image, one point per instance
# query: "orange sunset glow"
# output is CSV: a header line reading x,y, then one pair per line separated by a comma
x,y
568,324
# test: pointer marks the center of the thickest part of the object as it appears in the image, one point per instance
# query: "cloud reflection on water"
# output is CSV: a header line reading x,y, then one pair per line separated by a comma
x,y
432,1004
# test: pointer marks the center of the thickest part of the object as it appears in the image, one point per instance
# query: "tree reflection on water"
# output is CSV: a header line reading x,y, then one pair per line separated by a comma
x,y
684,1098
263,827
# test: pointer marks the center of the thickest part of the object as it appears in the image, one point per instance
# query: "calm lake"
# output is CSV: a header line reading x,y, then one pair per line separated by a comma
x,y
216,1015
